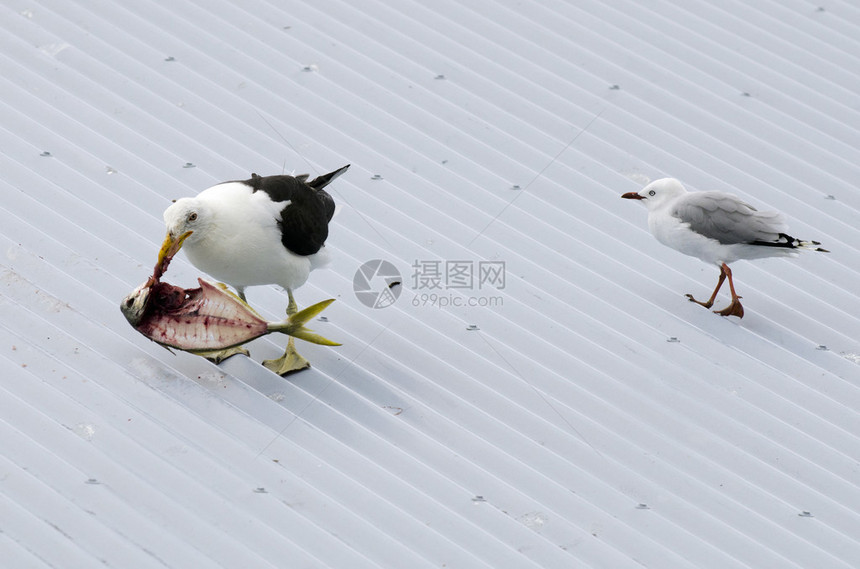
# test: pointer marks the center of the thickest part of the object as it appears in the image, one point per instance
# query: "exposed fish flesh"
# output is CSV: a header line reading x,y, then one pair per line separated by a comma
x,y
205,319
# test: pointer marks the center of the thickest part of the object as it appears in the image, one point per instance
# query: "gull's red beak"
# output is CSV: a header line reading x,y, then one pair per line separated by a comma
x,y
632,196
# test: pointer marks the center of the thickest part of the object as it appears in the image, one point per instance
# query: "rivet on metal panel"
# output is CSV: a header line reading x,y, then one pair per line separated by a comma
x,y
516,187
615,87
805,514
376,177
260,490
169,58
472,327
110,170
822,347
440,77
478,499
830,197
46,154
323,318
641,506
673,339
189,165
310,68
92,481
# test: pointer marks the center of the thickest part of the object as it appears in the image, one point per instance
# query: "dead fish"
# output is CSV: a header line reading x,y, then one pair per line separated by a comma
x,y
208,318
205,319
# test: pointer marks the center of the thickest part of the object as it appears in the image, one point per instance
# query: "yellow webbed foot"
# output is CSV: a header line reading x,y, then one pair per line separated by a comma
x,y
218,356
290,362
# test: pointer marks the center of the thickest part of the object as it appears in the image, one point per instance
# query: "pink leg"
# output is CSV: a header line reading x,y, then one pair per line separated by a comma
x,y
710,301
734,308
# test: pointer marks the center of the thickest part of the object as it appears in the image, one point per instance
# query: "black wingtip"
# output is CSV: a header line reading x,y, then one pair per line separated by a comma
x,y
789,242
320,182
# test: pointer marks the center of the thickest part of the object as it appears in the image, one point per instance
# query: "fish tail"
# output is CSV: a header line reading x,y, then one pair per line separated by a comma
x,y
295,325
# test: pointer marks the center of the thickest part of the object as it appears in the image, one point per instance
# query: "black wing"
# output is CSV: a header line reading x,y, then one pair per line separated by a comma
x,y
304,222
321,182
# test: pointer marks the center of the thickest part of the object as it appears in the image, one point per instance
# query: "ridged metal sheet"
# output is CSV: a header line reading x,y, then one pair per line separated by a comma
x,y
584,415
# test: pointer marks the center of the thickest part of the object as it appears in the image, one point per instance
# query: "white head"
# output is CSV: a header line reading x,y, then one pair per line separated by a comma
x,y
187,221
658,192
188,214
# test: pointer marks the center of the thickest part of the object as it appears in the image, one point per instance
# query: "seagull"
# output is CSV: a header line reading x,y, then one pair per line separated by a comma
x,y
718,228
260,231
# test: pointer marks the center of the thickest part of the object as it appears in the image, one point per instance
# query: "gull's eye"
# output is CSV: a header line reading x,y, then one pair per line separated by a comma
x,y
192,216
129,302
652,192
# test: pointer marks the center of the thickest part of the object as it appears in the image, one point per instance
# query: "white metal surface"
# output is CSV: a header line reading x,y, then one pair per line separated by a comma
x,y
584,415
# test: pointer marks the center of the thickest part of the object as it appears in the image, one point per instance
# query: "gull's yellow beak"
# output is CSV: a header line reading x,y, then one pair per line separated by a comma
x,y
171,247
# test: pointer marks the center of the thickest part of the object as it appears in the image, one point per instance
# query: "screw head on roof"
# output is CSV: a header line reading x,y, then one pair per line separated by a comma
x,y
477,499
91,481
822,347
376,177
45,154
189,165
472,327
615,87
805,514
440,77
169,58
260,490
642,506
673,339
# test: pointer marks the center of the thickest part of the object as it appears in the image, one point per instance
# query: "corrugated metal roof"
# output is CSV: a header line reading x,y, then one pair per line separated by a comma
x,y
584,414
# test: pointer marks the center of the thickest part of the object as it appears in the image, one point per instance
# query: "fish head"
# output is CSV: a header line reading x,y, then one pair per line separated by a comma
x,y
133,306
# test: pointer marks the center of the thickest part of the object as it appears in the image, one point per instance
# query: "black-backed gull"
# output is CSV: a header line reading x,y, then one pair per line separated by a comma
x,y
264,230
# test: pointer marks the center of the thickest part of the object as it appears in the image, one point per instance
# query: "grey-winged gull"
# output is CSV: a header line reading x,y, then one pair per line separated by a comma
x,y
718,228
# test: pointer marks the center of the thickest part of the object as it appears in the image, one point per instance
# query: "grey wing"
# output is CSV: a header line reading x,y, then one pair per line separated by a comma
x,y
728,219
